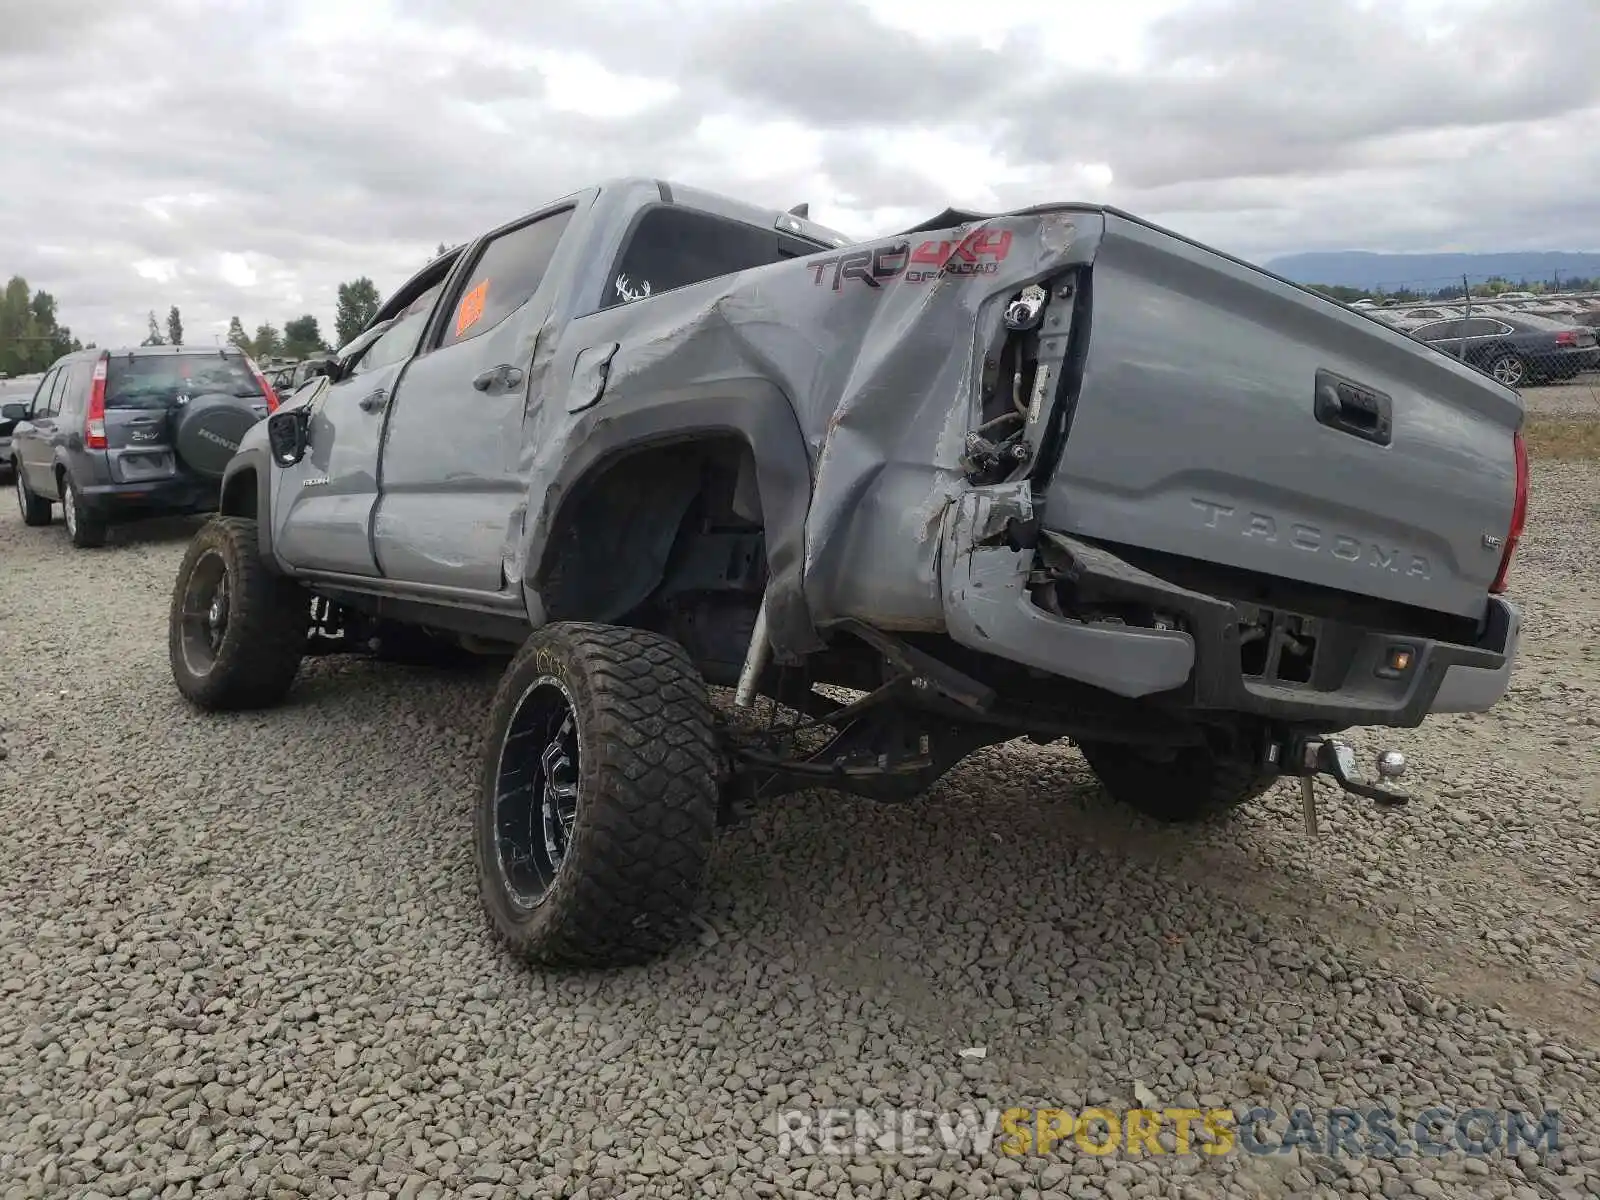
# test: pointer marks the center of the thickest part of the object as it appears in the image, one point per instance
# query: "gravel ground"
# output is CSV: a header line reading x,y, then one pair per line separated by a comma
x,y
1578,398
243,956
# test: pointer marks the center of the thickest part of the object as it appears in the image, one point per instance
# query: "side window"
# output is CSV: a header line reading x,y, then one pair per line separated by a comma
x,y
50,402
1440,331
506,276
674,247
399,341
70,401
40,403
1479,327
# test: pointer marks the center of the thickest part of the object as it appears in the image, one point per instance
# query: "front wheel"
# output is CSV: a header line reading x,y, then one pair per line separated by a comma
x,y
236,630
1178,786
597,801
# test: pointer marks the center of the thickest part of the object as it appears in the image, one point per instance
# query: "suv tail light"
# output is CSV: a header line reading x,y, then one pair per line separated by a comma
x,y
1519,515
94,421
266,388
1567,337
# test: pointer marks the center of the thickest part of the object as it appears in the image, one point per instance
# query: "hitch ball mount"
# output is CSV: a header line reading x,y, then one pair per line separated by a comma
x,y
1309,757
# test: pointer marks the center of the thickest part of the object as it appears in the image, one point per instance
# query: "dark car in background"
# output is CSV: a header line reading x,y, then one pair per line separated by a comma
x,y
114,435
1516,349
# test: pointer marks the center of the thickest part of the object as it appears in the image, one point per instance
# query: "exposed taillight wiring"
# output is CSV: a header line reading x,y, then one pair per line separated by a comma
x,y
1519,514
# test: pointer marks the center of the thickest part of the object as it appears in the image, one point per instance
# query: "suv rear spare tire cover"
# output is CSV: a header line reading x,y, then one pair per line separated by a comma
x,y
206,432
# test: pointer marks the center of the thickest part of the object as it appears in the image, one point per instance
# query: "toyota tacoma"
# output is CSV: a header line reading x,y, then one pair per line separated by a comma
x,y
1055,473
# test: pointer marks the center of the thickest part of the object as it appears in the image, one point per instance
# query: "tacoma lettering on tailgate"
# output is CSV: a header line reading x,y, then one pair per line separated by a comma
x,y
1312,539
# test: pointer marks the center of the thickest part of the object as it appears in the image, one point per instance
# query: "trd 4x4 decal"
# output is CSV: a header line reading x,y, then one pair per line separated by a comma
x,y
979,253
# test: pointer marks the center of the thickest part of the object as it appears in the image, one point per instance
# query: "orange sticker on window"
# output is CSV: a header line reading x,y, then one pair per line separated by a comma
x,y
470,311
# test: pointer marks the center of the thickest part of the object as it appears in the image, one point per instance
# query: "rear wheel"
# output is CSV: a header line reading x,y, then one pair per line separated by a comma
x,y
236,631
597,802
1176,786
84,528
35,509
1509,369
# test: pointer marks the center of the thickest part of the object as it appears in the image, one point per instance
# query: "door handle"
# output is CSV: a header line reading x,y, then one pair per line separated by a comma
x,y
373,401
503,377
1349,407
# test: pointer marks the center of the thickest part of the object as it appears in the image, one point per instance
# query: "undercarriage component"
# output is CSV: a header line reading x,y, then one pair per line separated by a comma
x,y
755,660
889,744
1308,757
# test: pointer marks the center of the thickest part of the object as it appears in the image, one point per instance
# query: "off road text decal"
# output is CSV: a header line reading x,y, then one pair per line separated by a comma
x,y
979,253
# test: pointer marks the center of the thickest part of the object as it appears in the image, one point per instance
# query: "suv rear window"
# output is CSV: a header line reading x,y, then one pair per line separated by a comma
x,y
674,247
157,380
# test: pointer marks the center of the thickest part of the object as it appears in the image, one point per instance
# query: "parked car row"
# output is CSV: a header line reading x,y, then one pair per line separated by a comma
x,y
1517,350
116,435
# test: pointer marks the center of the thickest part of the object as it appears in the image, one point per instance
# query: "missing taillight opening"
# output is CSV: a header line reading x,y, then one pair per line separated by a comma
x,y
1519,514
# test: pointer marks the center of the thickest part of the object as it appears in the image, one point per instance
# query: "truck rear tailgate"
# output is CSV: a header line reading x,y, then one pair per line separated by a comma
x,y
1227,416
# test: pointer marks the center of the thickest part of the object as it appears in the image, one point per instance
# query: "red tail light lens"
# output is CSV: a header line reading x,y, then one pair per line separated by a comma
x,y
94,421
266,388
1519,515
1566,338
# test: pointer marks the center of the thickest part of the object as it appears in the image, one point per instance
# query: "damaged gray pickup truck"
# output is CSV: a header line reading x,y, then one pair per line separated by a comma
x,y
1056,473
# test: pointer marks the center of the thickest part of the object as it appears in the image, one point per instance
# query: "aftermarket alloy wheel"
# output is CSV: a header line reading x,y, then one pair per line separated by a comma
x,y
1176,786
236,631
84,528
35,509
597,799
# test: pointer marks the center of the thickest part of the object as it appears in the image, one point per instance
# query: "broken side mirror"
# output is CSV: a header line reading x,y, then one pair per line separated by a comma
x,y
288,434
323,368
14,412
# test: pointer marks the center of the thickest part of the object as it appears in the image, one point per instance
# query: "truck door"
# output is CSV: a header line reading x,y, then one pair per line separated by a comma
x,y
323,519
452,493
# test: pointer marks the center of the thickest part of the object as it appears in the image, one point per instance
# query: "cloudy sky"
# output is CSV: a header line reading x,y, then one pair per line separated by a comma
x,y
244,156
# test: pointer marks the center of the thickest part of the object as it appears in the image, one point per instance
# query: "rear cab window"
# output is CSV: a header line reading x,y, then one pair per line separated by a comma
x,y
674,247
163,380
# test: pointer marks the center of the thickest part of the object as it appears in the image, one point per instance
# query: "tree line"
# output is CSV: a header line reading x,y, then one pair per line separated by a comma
x,y
299,338
31,336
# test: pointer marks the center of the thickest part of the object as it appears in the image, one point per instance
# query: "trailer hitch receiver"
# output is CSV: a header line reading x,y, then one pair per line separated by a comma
x,y
1309,757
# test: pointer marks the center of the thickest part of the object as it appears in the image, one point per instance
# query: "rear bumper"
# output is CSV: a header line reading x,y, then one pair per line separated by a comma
x,y
988,608
111,501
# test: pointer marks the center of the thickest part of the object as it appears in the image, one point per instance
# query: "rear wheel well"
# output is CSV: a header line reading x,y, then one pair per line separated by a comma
x,y
668,537
239,495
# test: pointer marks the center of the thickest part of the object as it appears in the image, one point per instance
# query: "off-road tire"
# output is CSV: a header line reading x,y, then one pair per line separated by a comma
x,y
1192,786
84,530
267,628
647,795
35,509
